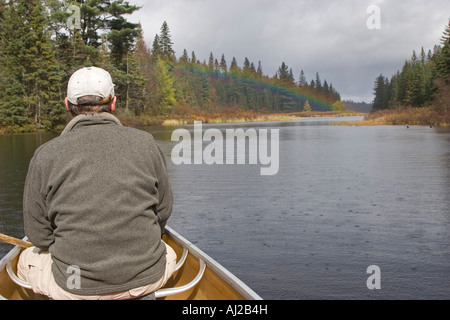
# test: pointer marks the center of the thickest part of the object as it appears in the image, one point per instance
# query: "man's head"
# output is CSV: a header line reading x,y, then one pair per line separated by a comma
x,y
90,90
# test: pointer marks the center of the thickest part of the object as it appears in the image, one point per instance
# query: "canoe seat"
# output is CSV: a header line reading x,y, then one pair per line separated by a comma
x,y
158,294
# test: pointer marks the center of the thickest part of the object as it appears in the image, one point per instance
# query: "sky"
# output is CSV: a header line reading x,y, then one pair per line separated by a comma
x,y
332,38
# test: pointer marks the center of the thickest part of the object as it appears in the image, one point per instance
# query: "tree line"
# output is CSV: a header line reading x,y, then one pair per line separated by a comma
x,y
423,80
39,50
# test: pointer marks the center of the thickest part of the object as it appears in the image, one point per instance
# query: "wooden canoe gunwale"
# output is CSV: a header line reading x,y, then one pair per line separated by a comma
x,y
214,282
213,266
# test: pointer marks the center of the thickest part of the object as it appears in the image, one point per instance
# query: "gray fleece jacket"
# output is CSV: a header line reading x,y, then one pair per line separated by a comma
x,y
98,198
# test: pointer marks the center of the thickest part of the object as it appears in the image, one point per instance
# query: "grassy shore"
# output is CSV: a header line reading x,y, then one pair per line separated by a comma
x,y
425,116
235,117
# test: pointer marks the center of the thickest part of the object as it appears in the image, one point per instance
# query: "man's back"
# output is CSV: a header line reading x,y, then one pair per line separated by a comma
x,y
103,193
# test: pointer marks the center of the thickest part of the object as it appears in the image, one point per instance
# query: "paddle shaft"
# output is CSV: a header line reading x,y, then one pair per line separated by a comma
x,y
14,241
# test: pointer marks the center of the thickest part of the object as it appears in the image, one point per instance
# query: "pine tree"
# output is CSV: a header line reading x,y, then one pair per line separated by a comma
x,y
394,100
122,39
71,51
442,94
259,71
193,58
165,43
234,68
382,95
443,65
318,82
43,75
211,61
302,80
216,65
247,69
98,15
285,76
223,65
184,59
156,51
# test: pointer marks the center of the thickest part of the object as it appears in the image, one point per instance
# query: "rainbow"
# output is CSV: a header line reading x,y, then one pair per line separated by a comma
x,y
317,103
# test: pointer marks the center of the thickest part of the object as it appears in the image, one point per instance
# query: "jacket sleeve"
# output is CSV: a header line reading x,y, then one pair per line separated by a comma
x,y
164,208
36,224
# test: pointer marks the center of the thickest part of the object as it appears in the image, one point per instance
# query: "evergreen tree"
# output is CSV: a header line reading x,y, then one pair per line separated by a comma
x,y
302,80
156,49
100,15
223,65
259,71
442,94
443,65
285,80
247,68
184,59
211,61
285,76
394,100
165,44
122,39
193,58
382,95
234,68
216,65
318,82
43,75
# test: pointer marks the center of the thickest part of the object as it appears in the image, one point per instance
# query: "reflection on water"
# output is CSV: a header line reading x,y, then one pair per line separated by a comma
x,y
345,198
16,152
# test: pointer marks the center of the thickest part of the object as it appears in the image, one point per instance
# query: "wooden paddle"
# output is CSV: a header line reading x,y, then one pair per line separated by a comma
x,y
17,242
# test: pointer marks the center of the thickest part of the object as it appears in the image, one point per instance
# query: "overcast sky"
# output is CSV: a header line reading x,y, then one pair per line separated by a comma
x,y
329,37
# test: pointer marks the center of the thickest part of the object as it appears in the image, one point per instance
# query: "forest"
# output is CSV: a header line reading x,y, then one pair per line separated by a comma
x,y
42,42
423,82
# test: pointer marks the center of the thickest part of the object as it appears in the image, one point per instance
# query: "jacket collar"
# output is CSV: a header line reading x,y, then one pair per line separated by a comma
x,y
101,118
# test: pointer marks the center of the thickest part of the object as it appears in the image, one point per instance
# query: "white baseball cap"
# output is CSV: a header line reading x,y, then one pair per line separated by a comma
x,y
90,81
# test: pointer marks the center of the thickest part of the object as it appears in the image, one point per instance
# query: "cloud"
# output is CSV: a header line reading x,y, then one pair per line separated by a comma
x,y
329,37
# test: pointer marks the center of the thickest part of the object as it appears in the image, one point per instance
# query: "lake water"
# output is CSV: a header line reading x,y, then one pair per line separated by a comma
x,y
345,198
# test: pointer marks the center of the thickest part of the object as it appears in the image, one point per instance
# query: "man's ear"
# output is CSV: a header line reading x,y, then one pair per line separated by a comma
x,y
66,102
112,108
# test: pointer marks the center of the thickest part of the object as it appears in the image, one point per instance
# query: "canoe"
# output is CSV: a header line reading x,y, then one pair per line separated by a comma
x,y
198,277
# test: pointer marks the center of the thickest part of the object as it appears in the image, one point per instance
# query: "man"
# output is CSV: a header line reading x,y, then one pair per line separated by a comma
x,y
96,202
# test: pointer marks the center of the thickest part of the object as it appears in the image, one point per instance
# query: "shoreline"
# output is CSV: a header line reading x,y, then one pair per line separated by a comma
x,y
257,117
426,116
405,116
